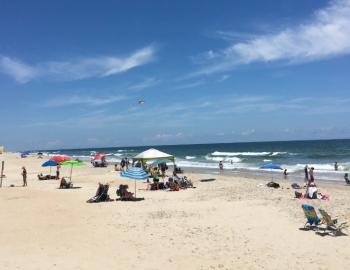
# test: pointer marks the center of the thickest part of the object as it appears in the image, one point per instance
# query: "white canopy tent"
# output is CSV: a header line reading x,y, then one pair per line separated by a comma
x,y
152,154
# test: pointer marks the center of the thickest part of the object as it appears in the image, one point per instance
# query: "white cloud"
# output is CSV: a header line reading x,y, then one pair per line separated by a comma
x,y
189,85
149,82
224,78
82,100
326,35
102,66
16,69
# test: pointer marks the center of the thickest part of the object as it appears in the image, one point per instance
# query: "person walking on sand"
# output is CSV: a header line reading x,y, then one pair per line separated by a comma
x,y
306,171
58,167
221,165
285,174
24,175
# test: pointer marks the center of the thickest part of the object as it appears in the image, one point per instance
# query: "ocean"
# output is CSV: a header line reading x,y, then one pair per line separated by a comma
x,y
244,158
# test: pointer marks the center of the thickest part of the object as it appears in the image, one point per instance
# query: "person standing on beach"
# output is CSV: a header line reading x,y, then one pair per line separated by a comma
x,y
311,174
126,163
285,174
336,166
58,167
24,175
221,165
306,173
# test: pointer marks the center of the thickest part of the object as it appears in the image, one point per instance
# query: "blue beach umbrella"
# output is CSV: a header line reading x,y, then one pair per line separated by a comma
x,y
49,163
271,166
135,173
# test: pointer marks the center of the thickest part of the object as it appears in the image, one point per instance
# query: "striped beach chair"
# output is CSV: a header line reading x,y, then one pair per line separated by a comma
x,y
332,224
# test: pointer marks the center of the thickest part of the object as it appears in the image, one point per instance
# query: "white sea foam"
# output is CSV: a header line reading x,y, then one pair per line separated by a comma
x,y
278,153
233,159
217,153
190,157
113,160
210,165
252,154
214,158
224,159
267,160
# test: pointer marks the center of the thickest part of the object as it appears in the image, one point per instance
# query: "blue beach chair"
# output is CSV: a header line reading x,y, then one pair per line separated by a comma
x,y
311,216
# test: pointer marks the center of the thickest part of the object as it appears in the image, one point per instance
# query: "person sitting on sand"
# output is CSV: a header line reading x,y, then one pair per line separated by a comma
x,y
311,191
65,184
346,178
176,178
124,193
186,183
43,177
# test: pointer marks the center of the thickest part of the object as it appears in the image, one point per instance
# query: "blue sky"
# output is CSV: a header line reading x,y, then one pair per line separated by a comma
x,y
72,72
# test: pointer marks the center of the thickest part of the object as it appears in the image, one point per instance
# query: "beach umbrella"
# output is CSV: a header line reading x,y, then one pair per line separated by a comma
x,y
49,163
59,159
99,156
135,173
71,163
271,166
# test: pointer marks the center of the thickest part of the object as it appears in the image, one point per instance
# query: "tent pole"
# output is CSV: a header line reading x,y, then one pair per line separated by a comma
x,y
71,169
135,188
2,172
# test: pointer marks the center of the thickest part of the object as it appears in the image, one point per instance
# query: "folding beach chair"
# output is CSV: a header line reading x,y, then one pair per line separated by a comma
x,y
311,216
332,224
101,194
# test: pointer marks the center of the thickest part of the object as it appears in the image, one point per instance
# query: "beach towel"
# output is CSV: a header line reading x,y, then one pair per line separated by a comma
x,y
207,180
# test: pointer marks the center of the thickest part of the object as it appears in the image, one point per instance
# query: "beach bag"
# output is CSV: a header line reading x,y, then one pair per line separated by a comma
x,y
296,186
298,195
273,185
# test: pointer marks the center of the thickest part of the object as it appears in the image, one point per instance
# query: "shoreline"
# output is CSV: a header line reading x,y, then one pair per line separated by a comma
x,y
230,223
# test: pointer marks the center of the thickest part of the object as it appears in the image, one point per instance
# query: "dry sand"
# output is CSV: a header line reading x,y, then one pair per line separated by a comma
x,y
226,224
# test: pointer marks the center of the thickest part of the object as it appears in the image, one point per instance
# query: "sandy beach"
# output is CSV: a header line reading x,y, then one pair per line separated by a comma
x,y
230,223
